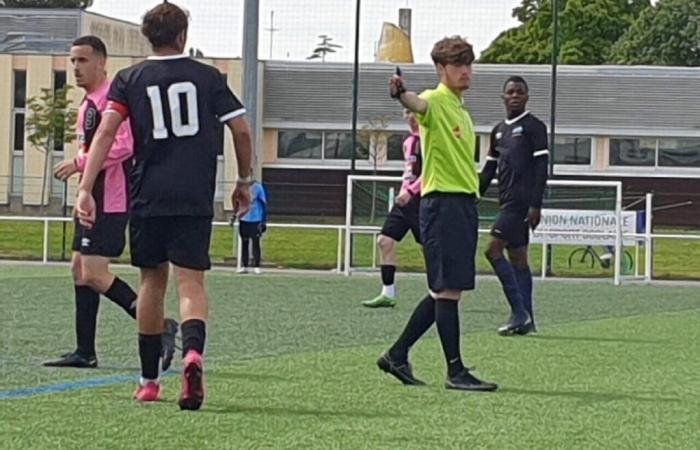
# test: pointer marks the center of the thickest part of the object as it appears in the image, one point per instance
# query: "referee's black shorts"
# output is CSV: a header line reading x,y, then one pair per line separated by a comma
x,y
401,219
512,227
107,237
181,240
449,226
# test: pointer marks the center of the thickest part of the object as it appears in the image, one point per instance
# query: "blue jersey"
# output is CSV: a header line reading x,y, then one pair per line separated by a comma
x,y
258,204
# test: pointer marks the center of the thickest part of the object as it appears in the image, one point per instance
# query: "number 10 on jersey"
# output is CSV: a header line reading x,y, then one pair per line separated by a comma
x,y
179,129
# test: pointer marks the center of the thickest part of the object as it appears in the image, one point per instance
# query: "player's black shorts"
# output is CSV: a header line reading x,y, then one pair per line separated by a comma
x,y
512,226
182,240
249,230
106,238
449,226
403,218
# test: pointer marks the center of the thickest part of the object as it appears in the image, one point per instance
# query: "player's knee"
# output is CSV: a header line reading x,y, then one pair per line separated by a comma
x,y
77,274
385,242
493,252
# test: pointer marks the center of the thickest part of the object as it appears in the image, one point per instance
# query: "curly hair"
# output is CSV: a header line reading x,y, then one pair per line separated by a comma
x,y
163,24
452,50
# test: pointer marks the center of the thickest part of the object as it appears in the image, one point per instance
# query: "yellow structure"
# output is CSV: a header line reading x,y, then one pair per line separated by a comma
x,y
394,45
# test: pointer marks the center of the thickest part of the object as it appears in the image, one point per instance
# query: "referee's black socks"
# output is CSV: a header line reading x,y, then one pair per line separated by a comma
x,y
122,294
421,320
447,321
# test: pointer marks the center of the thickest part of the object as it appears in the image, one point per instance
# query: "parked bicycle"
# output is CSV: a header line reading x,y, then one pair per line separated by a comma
x,y
589,257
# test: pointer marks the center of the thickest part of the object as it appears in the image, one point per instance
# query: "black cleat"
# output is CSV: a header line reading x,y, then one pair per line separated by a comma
x,y
515,323
168,343
73,359
402,372
526,329
465,381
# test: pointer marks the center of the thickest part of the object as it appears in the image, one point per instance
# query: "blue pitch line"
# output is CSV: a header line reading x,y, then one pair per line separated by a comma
x,y
71,386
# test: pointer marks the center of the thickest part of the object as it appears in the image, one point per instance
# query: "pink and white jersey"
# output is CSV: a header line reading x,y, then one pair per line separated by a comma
x,y
111,191
412,164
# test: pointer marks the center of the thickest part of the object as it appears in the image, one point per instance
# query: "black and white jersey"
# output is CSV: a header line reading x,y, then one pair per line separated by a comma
x,y
176,106
519,146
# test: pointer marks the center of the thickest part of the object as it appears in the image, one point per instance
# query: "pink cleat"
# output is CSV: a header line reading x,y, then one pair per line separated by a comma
x,y
192,394
149,392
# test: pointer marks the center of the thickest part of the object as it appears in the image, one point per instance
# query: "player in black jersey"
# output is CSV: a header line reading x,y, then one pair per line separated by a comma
x,y
176,105
520,152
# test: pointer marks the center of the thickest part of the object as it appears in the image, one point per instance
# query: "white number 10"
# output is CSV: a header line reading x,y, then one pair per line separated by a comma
x,y
174,91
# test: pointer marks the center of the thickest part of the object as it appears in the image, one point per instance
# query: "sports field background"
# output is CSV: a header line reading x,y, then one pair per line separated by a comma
x,y
290,364
316,249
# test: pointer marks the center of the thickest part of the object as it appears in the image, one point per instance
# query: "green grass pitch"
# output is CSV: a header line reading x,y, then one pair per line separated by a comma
x,y
290,364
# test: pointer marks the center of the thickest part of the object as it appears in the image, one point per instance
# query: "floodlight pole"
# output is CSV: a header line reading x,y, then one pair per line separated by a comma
x,y
355,83
553,105
251,12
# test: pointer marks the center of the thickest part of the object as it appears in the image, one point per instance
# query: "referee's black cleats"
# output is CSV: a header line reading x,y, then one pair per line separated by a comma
x,y
168,343
399,370
73,359
517,324
465,381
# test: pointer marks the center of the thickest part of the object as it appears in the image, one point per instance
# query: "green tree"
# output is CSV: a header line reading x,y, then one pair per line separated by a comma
x,y
51,119
46,3
667,34
587,31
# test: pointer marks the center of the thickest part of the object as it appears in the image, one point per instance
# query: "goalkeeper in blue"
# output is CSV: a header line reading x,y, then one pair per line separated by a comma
x,y
520,155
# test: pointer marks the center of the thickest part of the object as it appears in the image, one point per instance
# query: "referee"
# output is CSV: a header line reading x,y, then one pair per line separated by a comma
x,y
448,215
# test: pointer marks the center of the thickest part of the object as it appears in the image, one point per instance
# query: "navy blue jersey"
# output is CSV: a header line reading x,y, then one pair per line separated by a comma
x,y
176,105
520,152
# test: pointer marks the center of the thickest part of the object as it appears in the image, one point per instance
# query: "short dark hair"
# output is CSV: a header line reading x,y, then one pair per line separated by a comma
x,y
516,79
98,46
452,50
163,24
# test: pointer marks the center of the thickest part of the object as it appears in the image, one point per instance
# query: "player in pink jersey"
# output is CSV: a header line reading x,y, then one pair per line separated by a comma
x,y
92,248
402,218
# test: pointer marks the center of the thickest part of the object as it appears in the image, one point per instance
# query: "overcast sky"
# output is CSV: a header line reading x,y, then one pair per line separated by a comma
x,y
217,25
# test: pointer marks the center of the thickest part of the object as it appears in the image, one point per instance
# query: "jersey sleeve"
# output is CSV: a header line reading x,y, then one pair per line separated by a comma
x,y
538,140
117,99
226,105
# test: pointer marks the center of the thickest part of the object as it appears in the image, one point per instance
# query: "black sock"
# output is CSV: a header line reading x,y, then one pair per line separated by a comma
x,y
193,334
421,320
447,321
257,252
122,294
524,278
149,352
506,275
87,302
388,274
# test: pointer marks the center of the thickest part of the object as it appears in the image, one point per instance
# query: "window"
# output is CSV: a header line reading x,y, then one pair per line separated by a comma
x,y
679,152
633,152
338,145
20,88
19,133
19,102
299,144
17,175
477,149
574,150
59,81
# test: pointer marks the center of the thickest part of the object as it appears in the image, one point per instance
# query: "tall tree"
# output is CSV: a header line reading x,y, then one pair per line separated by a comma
x,y
323,48
46,3
588,30
667,34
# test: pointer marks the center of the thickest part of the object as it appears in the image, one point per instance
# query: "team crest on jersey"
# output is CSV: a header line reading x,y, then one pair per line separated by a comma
x,y
457,132
85,242
499,135
90,118
517,132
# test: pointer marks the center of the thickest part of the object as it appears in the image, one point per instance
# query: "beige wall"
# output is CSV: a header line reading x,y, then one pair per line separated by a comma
x,y
6,130
39,75
269,146
121,38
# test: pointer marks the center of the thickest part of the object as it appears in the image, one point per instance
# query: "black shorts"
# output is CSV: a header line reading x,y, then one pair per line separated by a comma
x,y
449,226
512,227
249,230
403,218
181,240
106,238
